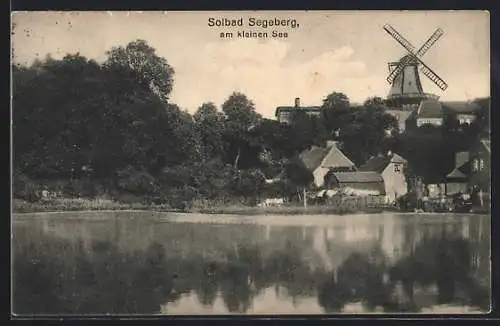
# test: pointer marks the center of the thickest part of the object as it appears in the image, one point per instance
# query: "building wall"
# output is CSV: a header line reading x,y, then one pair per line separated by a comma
x,y
481,172
319,176
466,118
362,185
401,116
455,187
431,121
284,117
435,190
395,182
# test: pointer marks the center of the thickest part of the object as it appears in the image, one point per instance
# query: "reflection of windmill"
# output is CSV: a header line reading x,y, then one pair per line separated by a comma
x,y
406,88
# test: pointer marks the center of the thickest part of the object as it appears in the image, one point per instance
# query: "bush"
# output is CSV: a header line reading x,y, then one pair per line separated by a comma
x,y
24,188
136,181
181,198
84,187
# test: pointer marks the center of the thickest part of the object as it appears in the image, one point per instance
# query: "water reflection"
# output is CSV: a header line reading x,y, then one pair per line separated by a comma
x,y
134,266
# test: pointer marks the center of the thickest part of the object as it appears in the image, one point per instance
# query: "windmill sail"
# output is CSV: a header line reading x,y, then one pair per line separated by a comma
x,y
430,42
399,68
399,38
416,56
434,77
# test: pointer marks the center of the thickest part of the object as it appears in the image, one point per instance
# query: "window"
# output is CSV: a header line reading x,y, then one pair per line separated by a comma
x,y
397,168
475,166
481,164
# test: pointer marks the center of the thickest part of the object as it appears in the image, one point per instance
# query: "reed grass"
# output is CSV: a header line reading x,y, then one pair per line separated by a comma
x,y
204,206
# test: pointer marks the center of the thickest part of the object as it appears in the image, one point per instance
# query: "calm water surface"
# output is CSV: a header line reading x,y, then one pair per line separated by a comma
x,y
151,263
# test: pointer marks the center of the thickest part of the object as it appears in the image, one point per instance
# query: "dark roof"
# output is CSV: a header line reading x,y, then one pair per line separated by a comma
x,y
294,108
430,109
456,174
460,172
336,158
461,107
376,164
358,177
486,144
379,163
328,157
313,157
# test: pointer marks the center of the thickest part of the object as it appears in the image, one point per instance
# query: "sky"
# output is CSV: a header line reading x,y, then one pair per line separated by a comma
x,y
343,51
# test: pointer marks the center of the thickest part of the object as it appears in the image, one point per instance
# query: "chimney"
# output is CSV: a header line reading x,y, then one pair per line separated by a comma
x,y
297,102
331,143
461,158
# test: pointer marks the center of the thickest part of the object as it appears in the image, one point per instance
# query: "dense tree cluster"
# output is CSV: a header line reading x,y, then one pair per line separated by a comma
x,y
111,127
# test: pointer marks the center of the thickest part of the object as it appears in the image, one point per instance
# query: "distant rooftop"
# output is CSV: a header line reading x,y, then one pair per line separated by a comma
x,y
379,163
430,109
460,172
296,107
487,144
293,108
463,107
329,157
358,176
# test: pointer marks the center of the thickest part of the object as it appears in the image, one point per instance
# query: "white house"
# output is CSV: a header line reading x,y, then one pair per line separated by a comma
x,y
391,166
430,112
320,160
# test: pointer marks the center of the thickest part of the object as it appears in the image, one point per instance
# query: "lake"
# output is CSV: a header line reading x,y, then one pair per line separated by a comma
x,y
168,263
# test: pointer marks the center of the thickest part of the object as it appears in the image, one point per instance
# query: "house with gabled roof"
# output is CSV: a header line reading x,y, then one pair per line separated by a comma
x,y
457,180
465,112
472,170
321,160
284,113
430,112
480,158
356,182
391,167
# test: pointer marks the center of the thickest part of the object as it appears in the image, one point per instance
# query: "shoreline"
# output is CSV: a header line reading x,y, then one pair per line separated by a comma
x,y
218,211
79,205
103,205
227,213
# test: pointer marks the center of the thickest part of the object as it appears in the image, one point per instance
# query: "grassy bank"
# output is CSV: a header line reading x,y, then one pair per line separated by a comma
x,y
286,210
79,204
84,204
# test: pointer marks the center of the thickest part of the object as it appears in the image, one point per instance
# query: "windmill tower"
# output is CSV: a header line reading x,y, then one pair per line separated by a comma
x,y
406,87
406,90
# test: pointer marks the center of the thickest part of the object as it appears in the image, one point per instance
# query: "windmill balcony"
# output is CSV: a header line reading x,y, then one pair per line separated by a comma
x,y
414,95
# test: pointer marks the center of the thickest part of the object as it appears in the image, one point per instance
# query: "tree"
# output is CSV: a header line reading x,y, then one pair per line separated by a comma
x,y
209,128
306,131
180,126
54,102
374,101
72,114
138,57
370,132
428,155
483,122
336,112
298,176
248,184
241,119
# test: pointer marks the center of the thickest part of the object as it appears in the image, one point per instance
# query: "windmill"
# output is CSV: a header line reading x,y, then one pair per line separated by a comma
x,y
406,88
